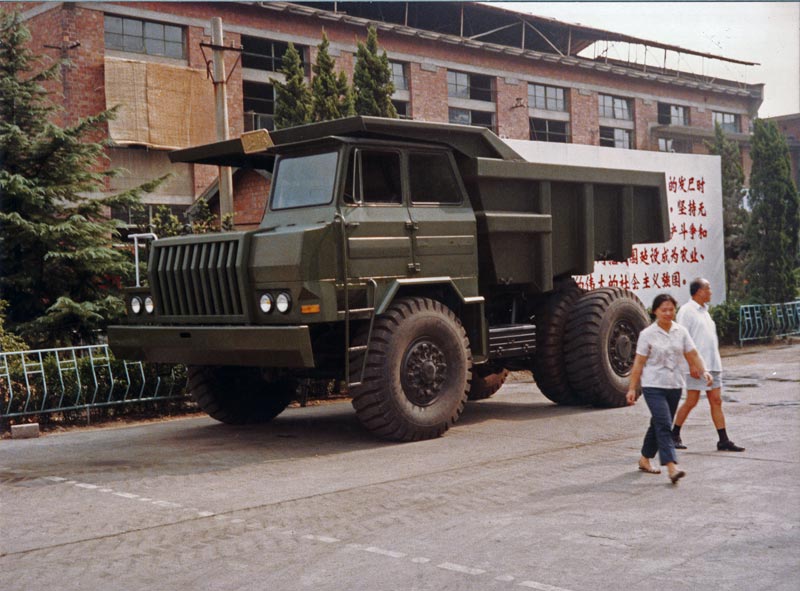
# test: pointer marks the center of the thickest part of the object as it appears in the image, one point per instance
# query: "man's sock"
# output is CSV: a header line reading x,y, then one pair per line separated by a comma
x,y
676,431
723,436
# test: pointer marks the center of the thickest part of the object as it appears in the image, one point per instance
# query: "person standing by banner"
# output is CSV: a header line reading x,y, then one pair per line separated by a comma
x,y
694,316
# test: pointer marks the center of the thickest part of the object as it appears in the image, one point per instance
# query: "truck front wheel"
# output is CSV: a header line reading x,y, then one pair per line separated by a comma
x,y
600,344
238,395
417,372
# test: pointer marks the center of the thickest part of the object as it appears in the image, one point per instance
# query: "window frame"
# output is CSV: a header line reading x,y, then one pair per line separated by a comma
x,y
671,114
616,131
548,133
615,107
403,75
541,96
144,26
734,126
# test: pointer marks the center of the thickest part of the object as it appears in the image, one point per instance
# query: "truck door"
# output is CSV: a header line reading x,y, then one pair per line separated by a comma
x,y
378,223
443,223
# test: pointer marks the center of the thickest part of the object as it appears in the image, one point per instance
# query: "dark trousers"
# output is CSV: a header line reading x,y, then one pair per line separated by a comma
x,y
662,402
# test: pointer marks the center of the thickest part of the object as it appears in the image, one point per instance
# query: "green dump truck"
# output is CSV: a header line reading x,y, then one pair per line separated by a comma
x,y
416,263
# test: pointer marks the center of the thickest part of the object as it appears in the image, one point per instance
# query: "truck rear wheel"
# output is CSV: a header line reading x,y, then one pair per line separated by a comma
x,y
486,381
600,344
549,366
238,395
416,378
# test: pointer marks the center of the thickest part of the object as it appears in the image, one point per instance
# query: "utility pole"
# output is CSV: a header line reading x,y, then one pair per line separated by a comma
x,y
221,109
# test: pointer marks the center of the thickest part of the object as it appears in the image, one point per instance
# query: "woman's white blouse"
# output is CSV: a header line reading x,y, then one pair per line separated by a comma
x,y
664,351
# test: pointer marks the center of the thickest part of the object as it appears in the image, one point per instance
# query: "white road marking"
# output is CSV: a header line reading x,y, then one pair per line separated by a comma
x,y
89,486
126,495
467,570
382,552
421,560
326,539
504,578
540,586
55,478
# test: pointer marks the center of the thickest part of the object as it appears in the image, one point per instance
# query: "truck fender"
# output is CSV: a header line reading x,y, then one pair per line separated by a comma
x,y
468,309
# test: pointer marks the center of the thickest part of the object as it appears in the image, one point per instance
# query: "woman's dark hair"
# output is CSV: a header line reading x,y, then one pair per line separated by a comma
x,y
661,298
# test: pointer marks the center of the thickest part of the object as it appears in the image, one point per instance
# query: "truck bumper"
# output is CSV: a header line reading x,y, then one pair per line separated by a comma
x,y
262,346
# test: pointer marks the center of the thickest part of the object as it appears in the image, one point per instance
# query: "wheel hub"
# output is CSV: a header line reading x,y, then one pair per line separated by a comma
x,y
424,372
622,347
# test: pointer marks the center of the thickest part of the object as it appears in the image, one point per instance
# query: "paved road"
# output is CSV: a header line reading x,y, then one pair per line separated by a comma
x,y
521,494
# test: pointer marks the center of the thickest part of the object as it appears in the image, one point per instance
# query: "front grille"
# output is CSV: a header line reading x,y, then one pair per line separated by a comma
x,y
197,279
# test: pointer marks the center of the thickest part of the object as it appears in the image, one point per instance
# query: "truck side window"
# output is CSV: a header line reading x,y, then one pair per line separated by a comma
x,y
432,179
379,177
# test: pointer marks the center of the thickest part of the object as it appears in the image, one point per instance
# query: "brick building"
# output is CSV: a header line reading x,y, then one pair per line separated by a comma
x,y
520,75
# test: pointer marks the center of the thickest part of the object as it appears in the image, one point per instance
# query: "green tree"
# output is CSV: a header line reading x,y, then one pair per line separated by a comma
x,y
372,79
331,95
58,271
734,215
293,98
774,227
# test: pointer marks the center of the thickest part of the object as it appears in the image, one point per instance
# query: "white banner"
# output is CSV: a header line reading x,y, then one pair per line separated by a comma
x,y
694,190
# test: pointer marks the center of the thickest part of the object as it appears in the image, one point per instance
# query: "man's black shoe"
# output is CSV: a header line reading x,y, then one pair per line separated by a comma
x,y
678,443
728,446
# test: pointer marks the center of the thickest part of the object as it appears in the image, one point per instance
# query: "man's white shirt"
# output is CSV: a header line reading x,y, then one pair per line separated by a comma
x,y
697,320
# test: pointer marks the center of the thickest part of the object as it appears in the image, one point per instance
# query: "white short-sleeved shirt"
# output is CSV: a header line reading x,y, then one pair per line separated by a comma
x,y
664,351
703,331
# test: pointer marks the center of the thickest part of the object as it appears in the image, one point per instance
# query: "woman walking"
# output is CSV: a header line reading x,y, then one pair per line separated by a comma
x,y
658,367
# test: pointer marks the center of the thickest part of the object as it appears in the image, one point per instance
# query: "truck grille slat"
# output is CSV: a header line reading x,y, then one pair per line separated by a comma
x,y
199,279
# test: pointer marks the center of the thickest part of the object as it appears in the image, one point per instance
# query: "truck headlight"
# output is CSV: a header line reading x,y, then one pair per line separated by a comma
x,y
149,305
283,302
136,305
265,303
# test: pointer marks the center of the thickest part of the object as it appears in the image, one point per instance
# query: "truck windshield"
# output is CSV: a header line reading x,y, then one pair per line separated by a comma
x,y
303,181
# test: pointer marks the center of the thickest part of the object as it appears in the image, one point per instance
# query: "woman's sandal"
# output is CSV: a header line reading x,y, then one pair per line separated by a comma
x,y
649,469
676,476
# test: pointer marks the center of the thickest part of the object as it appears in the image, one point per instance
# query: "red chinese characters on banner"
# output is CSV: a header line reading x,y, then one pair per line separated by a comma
x,y
653,267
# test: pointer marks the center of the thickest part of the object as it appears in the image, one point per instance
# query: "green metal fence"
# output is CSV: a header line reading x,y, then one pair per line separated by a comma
x,y
764,321
78,378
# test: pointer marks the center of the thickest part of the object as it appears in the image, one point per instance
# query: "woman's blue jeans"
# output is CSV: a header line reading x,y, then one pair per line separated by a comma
x,y
662,402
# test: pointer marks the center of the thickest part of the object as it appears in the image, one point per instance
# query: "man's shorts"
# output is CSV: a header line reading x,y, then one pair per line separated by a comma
x,y
700,384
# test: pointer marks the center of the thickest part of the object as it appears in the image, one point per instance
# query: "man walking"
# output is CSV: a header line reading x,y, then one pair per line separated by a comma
x,y
694,316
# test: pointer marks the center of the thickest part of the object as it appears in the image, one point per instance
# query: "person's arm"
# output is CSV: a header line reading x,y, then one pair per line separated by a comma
x,y
697,368
636,375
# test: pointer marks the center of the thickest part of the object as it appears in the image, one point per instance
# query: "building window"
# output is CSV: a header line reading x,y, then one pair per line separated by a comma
x,y
264,54
468,117
469,86
399,77
139,36
403,109
545,130
673,145
672,114
613,137
728,121
549,98
614,107
259,105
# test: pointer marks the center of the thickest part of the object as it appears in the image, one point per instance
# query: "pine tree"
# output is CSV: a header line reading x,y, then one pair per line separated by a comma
x,y
774,228
293,98
734,215
372,79
58,271
331,95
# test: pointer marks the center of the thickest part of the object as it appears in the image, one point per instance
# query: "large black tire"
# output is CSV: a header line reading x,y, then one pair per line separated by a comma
x,y
417,373
549,367
486,381
600,344
238,395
